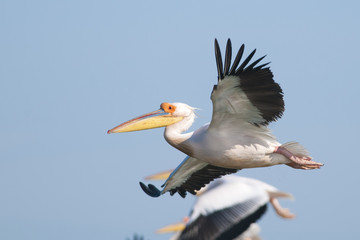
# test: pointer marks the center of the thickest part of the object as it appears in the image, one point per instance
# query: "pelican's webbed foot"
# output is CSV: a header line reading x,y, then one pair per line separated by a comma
x,y
296,161
150,190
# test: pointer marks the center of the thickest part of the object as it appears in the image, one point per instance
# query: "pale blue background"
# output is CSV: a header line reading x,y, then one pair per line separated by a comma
x,y
70,70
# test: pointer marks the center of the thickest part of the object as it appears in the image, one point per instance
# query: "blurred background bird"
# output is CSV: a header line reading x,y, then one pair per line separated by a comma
x,y
227,208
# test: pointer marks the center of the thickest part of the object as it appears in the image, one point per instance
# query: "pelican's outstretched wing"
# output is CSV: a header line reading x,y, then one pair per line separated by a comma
x,y
190,176
244,93
227,223
222,225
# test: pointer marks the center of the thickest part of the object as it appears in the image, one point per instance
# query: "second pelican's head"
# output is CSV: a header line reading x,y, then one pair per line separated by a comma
x,y
168,114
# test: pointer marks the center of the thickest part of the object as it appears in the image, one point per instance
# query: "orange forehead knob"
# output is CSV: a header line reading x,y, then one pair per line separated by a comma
x,y
167,107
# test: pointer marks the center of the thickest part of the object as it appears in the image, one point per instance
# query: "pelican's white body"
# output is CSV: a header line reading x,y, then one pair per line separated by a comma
x,y
231,144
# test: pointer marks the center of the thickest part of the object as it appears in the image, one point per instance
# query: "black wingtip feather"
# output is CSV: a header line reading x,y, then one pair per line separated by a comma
x,y
226,223
234,70
262,65
227,57
182,193
218,58
237,60
251,66
150,190
255,81
246,61
243,225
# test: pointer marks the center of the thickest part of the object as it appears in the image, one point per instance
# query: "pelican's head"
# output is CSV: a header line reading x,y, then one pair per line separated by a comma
x,y
168,114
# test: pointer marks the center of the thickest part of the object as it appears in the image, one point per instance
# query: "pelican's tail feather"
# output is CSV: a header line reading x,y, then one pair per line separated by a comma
x,y
297,149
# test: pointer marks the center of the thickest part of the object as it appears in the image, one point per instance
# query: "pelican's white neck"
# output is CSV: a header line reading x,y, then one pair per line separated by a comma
x,y
174,133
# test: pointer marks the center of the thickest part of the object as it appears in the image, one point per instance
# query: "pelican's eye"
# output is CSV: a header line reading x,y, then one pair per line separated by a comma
x,y
167,107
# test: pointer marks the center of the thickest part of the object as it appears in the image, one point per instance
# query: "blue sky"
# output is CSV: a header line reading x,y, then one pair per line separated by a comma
x,y
71,70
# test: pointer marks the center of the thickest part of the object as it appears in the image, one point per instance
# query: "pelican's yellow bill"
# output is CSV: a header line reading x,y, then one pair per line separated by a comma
x,y
156,119
177,227
160,176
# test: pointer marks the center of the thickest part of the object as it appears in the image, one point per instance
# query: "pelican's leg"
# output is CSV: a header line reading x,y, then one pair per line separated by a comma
x,y
282,212
298,162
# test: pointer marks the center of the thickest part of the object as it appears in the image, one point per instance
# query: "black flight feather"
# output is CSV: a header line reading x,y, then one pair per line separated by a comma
x,y
255,81
224,224
227,57
218,61
246,61
194,183
237,60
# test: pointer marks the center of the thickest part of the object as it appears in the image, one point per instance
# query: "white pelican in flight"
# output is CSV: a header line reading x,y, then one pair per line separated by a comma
x,y
227,208
245,100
